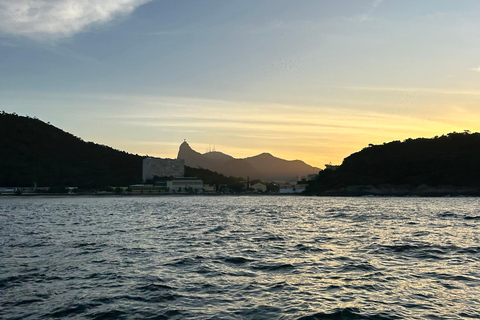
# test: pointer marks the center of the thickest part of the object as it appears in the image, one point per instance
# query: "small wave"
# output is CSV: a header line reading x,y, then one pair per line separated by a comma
x,y
334,287
402,247
472,218
269,238
274,267
420,233
237,260
267,312
345,314
71,310
155,297
241,273
106,275
216,229
281,286
425,251
184,261
447,214
363,266
338,215
30,244
27,301
84,244
111,314
21,278
303,247
155,287
450,277
469,250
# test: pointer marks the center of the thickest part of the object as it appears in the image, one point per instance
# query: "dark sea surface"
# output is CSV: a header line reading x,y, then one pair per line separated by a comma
x,y
245,257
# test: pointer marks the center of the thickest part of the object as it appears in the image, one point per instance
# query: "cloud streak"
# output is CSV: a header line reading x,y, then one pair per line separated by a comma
x,y
39,19
377,3
156,125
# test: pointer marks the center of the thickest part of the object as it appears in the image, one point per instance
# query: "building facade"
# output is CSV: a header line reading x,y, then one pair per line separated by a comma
x,y
191,184
259,187
162,168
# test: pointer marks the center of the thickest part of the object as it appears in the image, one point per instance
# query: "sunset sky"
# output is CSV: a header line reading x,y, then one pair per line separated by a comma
x,y
307,79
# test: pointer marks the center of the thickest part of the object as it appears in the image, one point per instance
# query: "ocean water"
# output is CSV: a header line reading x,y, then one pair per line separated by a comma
x,y
239,257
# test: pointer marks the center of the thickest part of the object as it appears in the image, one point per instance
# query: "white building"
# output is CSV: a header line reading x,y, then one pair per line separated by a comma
x,y
259,187
162,168
209,188
300,187
188,184
292,188
286,188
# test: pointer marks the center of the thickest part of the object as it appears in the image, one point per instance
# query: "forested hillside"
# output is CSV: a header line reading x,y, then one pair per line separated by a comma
x,y
32,151
452,159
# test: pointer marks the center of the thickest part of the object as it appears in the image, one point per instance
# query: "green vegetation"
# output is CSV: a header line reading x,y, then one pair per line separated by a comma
x,y
213,178
452,159
33,151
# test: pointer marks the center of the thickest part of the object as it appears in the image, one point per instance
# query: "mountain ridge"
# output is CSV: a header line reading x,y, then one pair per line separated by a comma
x,y
264,166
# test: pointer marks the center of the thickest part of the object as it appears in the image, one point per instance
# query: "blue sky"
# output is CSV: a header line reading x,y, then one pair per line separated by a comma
x,y
310,80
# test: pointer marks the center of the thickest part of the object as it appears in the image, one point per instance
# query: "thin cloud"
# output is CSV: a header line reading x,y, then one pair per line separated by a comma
x,y
416,89
369,15
476,69
38,19
377,3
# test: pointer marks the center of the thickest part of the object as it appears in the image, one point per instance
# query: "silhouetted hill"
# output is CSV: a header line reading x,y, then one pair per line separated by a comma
x,y
218,156
34,151
269,165
193,158
215,178
263,167
450,160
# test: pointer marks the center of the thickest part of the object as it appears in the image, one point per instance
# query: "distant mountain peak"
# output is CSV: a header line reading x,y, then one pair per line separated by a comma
x,y
264,155
185,145
263,166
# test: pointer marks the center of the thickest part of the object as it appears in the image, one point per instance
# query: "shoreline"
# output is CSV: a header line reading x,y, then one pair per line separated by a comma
x,y
404,191
326,194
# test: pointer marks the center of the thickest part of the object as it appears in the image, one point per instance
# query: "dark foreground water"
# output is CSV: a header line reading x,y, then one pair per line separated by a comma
x,y
239,258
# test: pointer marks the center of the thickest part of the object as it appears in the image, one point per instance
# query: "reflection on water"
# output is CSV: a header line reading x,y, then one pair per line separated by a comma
x,y
239,258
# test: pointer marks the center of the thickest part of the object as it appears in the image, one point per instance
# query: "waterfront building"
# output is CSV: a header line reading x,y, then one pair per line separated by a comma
x,y
259,187
185,184
162,168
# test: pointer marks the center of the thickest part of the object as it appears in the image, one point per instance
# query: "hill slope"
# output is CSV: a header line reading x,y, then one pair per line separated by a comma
x,y
264,166
452,160
33,151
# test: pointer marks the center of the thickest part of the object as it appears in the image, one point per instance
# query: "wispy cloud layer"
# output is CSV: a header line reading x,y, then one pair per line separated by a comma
x,y
40,19
316,134
377,3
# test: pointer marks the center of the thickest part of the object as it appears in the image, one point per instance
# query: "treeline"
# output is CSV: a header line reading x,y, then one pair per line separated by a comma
x,y
451,159
32,151
213,178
